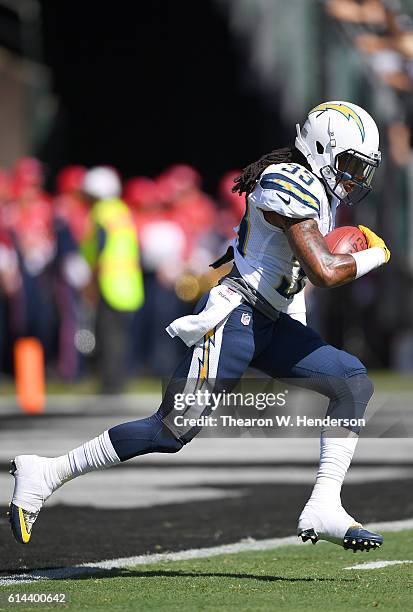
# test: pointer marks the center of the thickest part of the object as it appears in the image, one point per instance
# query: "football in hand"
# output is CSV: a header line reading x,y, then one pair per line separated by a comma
x,y
346,239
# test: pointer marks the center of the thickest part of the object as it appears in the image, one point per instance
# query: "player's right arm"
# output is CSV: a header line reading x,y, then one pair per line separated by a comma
x,y
323,268
295,212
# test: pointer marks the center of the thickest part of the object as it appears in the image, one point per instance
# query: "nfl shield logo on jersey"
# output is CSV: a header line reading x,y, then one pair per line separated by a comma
x,y
245,318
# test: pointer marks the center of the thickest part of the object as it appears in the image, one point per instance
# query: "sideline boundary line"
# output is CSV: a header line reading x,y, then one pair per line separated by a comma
x,y
249,544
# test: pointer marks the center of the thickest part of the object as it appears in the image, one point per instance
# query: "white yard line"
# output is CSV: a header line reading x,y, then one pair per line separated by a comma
x,y
391,525
125,562
196,553
375,565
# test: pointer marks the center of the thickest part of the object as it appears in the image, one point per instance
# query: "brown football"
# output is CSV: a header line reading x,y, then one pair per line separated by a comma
x,y
346,239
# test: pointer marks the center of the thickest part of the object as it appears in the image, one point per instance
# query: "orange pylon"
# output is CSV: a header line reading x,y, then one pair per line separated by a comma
x,y
29,375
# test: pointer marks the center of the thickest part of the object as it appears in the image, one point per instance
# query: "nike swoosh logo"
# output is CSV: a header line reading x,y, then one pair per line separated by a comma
x,y
283,199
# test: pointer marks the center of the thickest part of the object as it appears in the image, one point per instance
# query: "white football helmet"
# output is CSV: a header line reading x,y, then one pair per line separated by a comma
x,y
340,141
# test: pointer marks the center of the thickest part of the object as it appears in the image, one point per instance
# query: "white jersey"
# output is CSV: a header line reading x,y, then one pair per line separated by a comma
x,y
263,255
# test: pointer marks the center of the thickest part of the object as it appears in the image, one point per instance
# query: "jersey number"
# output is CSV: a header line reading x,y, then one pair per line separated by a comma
x,y
304,176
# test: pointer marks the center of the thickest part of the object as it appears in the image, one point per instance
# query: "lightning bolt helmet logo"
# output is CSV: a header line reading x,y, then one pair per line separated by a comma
x,y
345,110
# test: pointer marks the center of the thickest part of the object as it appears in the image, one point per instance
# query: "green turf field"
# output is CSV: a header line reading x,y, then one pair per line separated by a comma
x,y
288,578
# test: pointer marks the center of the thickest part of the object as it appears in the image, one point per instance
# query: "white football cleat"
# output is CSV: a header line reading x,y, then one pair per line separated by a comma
x,y
321,521
31,490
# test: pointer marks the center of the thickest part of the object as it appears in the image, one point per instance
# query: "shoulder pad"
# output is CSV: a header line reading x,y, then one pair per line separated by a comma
x,y
291,190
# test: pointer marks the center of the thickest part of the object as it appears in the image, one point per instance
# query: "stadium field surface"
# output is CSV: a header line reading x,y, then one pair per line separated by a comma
x,y
215,493
303,577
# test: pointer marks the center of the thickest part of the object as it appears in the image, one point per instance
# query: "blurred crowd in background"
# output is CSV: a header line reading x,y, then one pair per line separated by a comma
x,y
377,44
382,32
96,265
98,268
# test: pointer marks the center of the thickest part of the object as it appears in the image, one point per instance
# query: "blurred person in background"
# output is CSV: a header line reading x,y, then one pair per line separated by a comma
x,y
50,268
112,252
69,202
10,279
180,187
72,217
196,213
164,246
143,197
29,219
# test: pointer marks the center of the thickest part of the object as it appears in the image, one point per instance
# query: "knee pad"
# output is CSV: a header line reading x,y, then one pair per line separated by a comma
x,y
361,387
350,397
353,389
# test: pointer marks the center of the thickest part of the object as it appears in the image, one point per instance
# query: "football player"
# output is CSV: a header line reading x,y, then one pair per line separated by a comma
x,y
256,317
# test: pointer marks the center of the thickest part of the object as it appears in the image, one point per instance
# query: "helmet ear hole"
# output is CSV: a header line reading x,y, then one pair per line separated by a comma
x,y
320,148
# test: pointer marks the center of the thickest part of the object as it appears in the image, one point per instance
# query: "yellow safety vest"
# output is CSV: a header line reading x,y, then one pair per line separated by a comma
x,y
119,274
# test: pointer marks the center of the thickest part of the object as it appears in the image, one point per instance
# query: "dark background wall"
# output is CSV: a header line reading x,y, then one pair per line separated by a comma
x,y
145,84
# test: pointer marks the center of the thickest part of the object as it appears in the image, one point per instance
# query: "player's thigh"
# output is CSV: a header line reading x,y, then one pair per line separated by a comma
x,y
216,362
290,343
298,352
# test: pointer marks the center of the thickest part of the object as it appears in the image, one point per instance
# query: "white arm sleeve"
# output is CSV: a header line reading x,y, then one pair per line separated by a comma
x,y
368,260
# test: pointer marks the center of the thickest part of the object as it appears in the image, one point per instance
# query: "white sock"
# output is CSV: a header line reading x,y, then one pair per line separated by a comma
x,y
335,458
97,454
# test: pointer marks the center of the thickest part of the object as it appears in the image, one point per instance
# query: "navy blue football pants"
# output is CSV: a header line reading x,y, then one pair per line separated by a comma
x,y
283,349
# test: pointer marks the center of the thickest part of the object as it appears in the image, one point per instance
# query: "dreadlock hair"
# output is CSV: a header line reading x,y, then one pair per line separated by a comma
x,y
247,180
